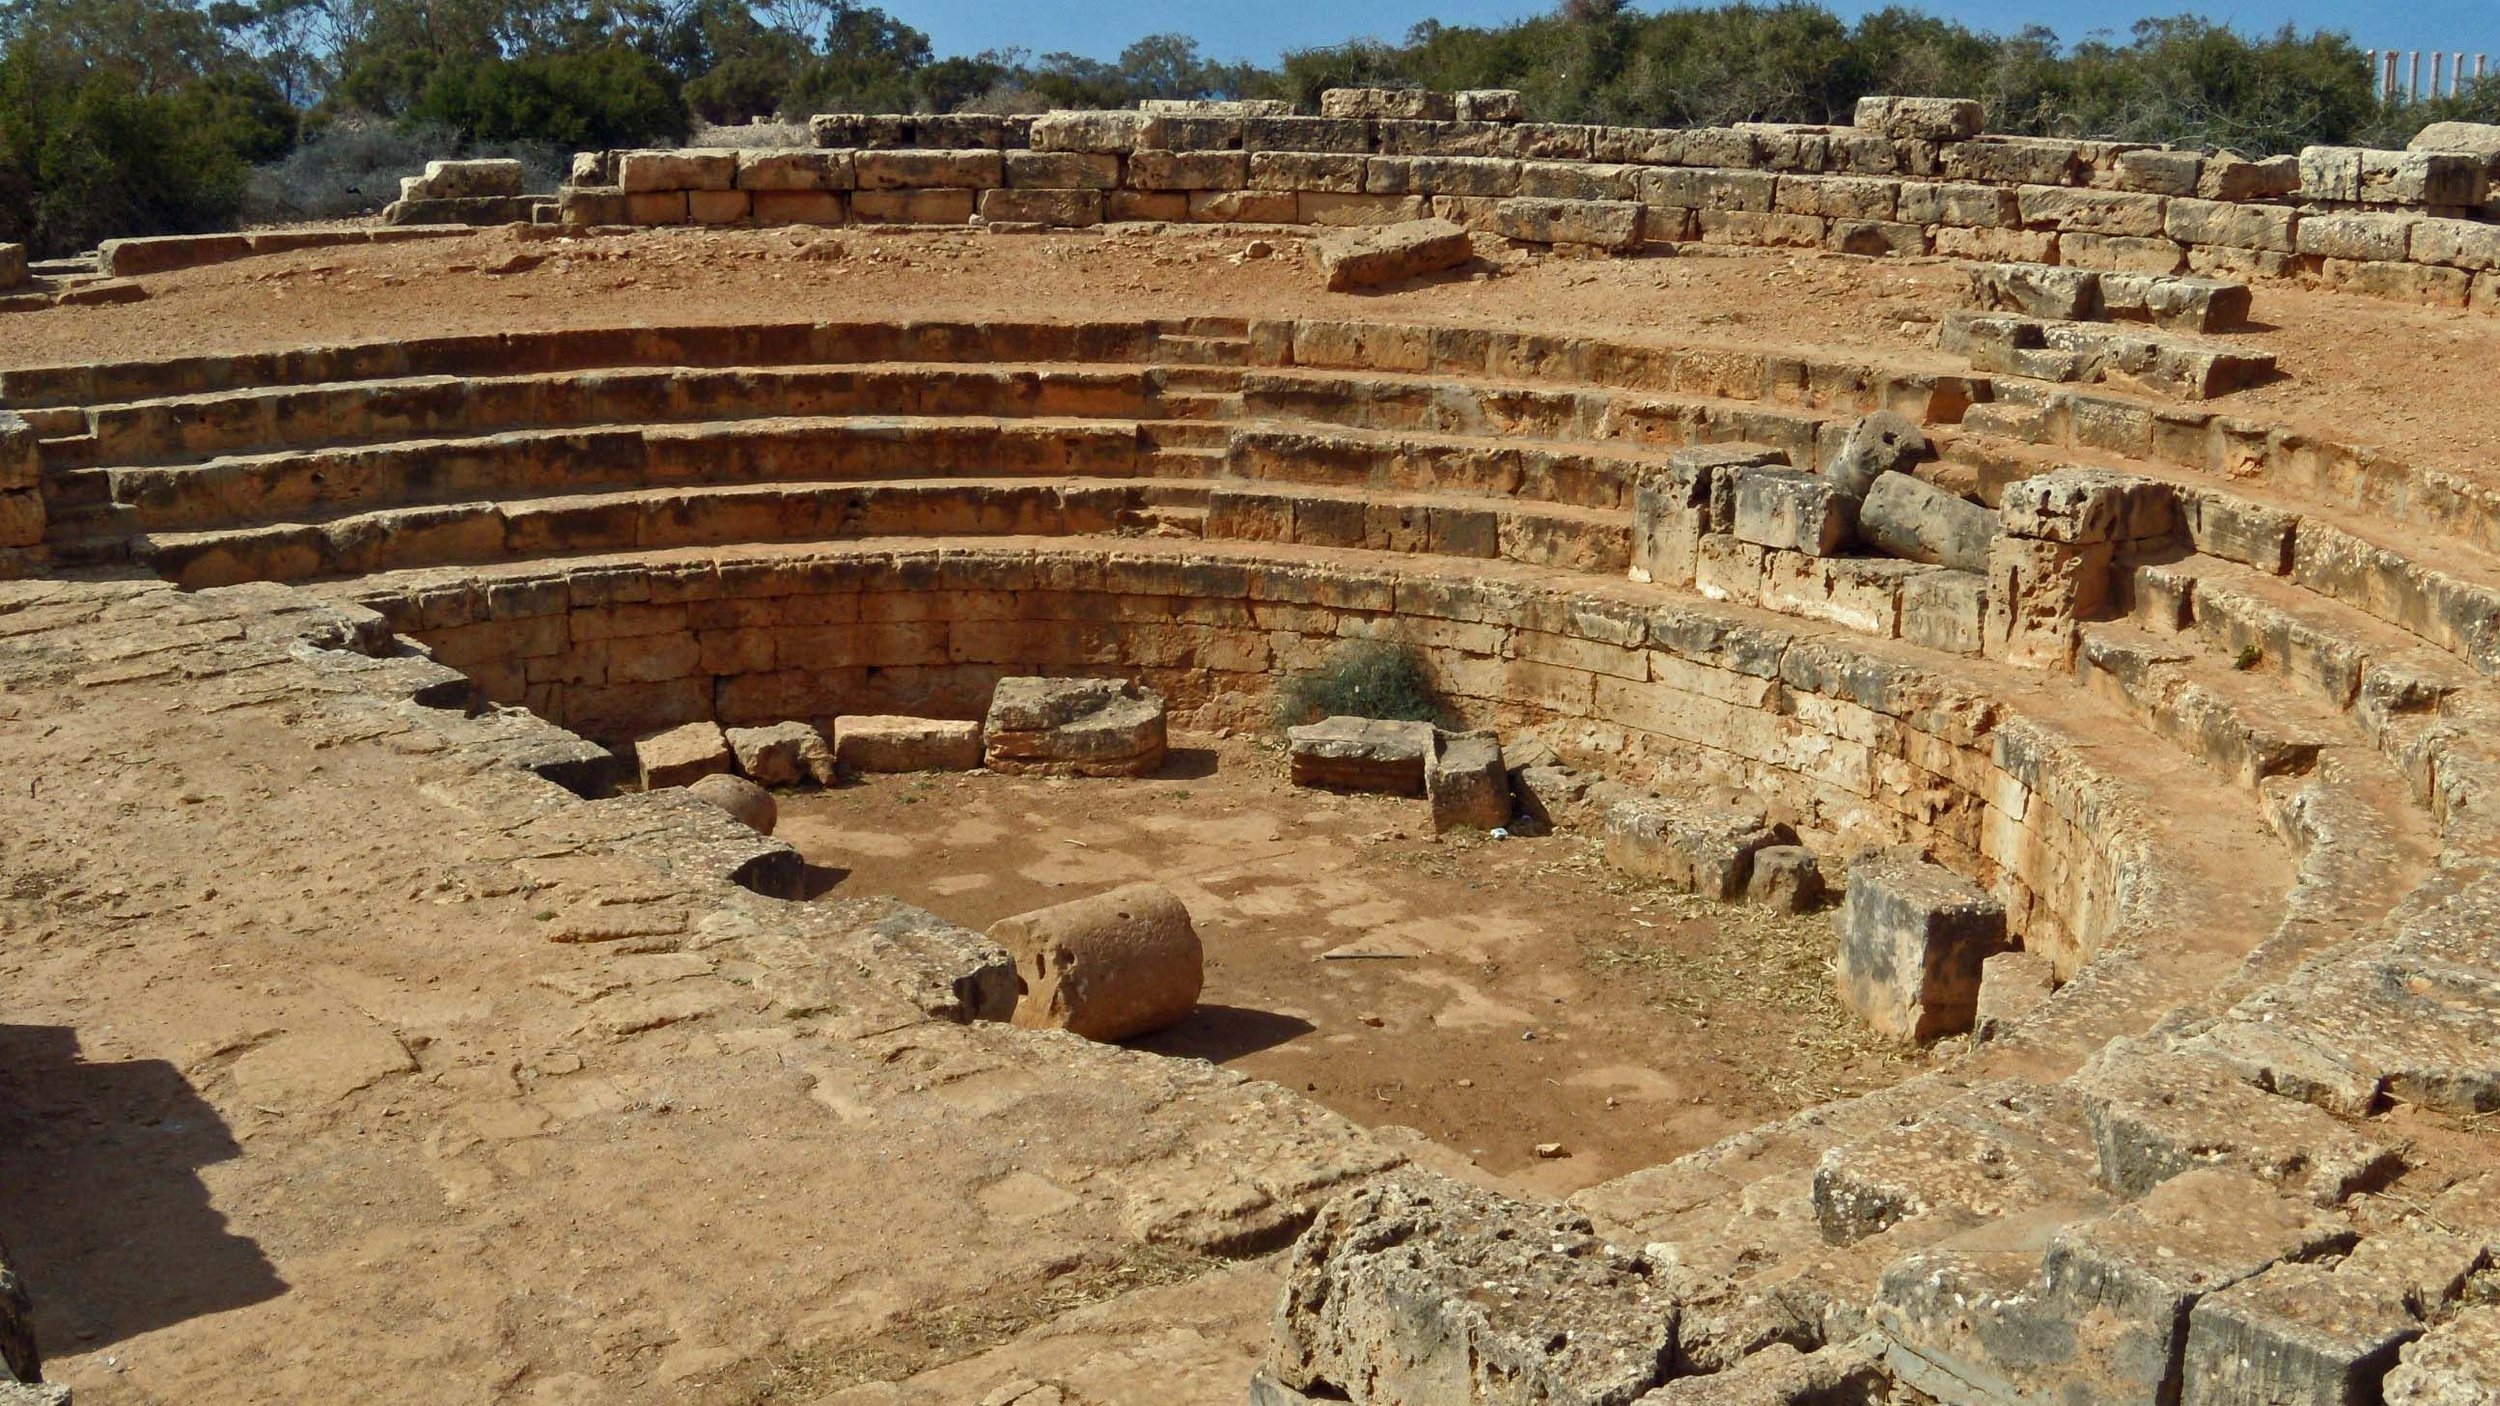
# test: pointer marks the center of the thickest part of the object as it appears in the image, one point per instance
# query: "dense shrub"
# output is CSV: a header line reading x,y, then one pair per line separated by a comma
x,y
605,97
352,167
1362,679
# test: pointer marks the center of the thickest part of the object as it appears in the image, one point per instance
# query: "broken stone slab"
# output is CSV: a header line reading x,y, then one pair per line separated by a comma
x,y
1793,510
1074,727
1785,879
1700,847
2320,1333
784,754
1912,938
1373,256
2454,1364
2157,1113
1419,1289
1490,104
681,755
1913,519
1378,756
2352,1033
744,801
884,742
1550,796
1601,224
1397,104
2104,1314
1108,967
1920,119
2011,985
2047,291
465,180
2179,304
1840,1374
1883,442
1467,783
2078,505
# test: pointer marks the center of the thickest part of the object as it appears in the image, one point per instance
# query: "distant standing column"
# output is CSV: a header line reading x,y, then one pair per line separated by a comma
x,y
2387,77
2413,78
2439,62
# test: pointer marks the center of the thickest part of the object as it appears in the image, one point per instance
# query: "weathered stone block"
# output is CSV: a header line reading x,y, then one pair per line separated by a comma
x,y
1912,938
2315,1335
1697,846
681,754
1883,442
2159,171
1785,879
1064,209
1467,783
1375,255
465,180
12,266
1674,507
1375,755
2156,1114
1920,119
1061,170
1945,610
2230,224
1489,105
795,170
1420,1290
928,170
1793,510
2011,986
677,170
889,743
784,754
2036,290
1073,727
1915,520
1605,224
1108,967
1397,104
1155,170
1104,133
2454,1364
738,798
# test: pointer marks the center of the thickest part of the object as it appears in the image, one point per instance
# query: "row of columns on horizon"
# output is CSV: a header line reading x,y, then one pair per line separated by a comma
x,y
2400,73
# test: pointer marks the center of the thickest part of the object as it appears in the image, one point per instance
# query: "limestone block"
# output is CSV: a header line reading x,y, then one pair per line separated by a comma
x,y
1785,879
2230,224
1403,104
655,207
1675,507
1306,134
1883,442
2084,505
1061,170
639,171
1064,209
1374,755
2067,208
1915,520
1108,967
744,801
1306,171
1692,188
1489,105
680,755
1697,846
2477,138
1912,938
2179,304
2233,177
1154,170
2454,1364
2373,177
2011,986
1605,224
1793,510
2320,1335
1780,1375
465,180
784,754
2356,236
20,446
21,518
2036,290
12,265
719,207
879,742
2464,244
1101,133
2037,593
795,170
2000,1150
580,207
1945,610
1374,255
1467,783
2156,1114
914,207
1191,131
1081,727
928,170
1419,1290
800,207
1960,204
1920,119
2160,171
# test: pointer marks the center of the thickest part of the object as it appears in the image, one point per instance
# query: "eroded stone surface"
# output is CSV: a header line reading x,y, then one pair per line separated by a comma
x,y
1700,847
1912,938
784,754
1079,727
1361,754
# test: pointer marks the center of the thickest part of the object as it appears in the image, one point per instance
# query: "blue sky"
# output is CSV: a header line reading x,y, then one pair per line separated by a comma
x,y
1260,29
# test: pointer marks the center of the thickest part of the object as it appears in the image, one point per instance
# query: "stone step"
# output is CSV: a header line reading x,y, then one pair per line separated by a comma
x,y
1203,350
313,484
1594,476
2243,727
1380,401
1539,534
1212,434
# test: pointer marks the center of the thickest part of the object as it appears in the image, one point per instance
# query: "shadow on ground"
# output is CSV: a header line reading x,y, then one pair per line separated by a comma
x,y
104,1211
1221,1034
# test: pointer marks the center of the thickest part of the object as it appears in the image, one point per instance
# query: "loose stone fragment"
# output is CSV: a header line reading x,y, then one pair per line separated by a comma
x,y
1920,119
1374,255
1883,442
1912,938
784,754
2321,1335
1791,510
1467,783
747,803
680,755
1118,964
1361,754
1785,879
1697,846
878,742
2454,1364
1915,520
2011,986
2157,1113
1074,727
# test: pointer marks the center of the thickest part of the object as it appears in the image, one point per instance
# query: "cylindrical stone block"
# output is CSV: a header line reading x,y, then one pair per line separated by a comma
x,y
1108,967
747,803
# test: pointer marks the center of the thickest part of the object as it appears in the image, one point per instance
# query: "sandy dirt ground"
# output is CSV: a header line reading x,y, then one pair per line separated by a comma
x,y
2358,367
1493,995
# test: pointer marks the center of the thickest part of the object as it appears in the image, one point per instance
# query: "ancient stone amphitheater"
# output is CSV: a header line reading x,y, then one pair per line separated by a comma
x,y
323,661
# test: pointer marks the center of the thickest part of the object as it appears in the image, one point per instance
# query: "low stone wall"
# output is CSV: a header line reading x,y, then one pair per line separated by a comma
x,y
2410,225
1872,748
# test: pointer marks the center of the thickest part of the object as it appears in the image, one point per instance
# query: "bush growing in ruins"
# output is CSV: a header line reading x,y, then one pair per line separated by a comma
x,y
1362,679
